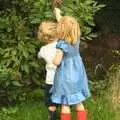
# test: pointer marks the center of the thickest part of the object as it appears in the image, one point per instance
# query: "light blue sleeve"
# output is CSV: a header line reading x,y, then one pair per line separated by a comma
x,y
63,45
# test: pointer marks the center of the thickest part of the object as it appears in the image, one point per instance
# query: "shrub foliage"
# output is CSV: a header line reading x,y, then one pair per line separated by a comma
x,y
18,43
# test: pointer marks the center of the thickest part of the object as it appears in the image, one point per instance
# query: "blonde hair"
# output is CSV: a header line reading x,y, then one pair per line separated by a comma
x,y
47,30
68,29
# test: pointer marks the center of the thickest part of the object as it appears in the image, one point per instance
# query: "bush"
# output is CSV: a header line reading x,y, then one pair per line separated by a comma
x,y
19,19
114,78
84,11
19,46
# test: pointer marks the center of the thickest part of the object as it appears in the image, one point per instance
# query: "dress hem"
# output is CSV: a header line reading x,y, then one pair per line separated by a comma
x,y
69,100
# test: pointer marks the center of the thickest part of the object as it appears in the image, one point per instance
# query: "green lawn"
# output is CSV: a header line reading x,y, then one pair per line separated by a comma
x,y
99,109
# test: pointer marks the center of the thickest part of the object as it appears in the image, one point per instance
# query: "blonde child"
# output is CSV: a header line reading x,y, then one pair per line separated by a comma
x,y
70,82
47,32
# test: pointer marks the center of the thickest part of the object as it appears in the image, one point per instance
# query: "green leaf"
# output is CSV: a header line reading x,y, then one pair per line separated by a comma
x,y
7,54
34,64
16,83
25,54
26,1
35,20
88,38
88,2
93,35
25,68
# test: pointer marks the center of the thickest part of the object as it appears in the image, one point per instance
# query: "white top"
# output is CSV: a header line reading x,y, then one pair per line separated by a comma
x,y
48,52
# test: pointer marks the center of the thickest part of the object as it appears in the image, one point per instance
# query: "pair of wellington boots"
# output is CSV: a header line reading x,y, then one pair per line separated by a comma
x,y
81,115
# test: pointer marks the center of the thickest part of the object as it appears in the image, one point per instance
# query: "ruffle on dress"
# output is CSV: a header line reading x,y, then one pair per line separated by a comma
x,y
71,99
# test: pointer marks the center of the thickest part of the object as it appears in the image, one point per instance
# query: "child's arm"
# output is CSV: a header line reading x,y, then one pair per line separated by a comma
x,y
57,12
58,57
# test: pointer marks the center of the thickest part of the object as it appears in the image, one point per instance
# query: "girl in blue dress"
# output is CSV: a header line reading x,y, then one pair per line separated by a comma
x,y
70,82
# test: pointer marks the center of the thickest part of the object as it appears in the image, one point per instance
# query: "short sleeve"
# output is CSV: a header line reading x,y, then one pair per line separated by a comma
x,y
41,53
47,53
63,45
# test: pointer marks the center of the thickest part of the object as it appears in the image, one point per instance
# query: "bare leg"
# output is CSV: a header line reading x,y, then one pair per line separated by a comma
x,y
52,108
52,113
79,107
65,109
81,112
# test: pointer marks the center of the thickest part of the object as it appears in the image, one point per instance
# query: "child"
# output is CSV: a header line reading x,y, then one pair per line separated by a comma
x,y
47,31
70,83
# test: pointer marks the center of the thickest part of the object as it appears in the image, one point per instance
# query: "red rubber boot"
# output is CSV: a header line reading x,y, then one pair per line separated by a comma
x,y
82,115
65,116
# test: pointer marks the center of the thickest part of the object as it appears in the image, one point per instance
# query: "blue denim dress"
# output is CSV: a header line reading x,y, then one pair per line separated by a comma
x,y
70,82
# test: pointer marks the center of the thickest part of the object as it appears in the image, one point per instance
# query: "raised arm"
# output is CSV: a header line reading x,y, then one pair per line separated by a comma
x,y
59,53
57,13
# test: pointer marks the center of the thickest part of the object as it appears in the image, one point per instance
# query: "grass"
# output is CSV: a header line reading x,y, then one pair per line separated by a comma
x,y
31,111
99,109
